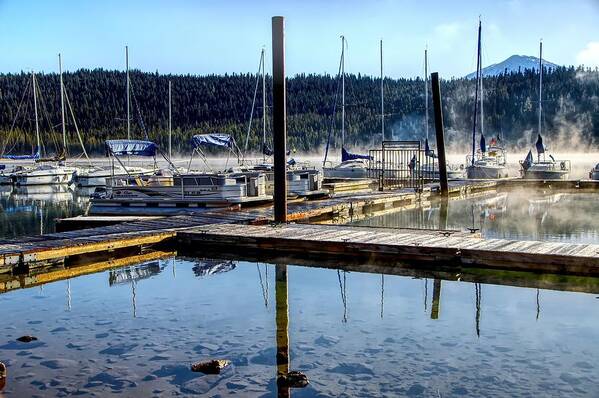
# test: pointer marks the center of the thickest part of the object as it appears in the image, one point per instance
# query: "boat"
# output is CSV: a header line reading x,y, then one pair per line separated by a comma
x,y
52,170
171,188
352,166
303,180
98,175
545,168
486,163
594,174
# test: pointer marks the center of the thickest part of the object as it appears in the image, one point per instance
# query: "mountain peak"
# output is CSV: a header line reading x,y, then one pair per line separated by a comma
x,y
514,63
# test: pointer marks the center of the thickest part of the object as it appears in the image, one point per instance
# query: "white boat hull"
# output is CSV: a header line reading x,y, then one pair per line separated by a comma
x,y
486,172
545,175
43,179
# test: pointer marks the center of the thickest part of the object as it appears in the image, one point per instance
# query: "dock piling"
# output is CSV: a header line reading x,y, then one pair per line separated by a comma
x,y
439,130
279,119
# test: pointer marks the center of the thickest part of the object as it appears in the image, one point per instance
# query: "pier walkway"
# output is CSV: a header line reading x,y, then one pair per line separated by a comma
x,y
248,229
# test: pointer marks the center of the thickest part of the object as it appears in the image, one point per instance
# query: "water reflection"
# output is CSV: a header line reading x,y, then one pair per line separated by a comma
x,y
97,347
33,210
570,217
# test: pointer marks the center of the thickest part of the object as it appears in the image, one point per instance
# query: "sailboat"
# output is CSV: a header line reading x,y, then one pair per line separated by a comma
x,y
98,175
46,173
543,169
352,165
486,163
302,179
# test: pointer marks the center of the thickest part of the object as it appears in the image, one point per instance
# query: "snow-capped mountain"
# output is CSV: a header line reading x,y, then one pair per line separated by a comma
x,y
513,64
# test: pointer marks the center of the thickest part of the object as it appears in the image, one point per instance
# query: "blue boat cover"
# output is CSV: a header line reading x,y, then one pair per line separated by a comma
x,y
345,155
130,147
528,161
222,140
483,144
427,149
34,156
539,145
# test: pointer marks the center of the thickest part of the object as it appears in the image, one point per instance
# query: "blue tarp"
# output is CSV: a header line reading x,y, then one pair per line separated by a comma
x,y
352,156
222,140
427,149
539,145
528,161
35,156
130,147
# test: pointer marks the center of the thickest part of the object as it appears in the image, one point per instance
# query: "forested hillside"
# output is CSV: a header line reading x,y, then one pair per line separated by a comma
x,y
203,104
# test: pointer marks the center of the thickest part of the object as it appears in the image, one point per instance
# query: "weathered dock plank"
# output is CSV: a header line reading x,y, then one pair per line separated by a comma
x,y
400,245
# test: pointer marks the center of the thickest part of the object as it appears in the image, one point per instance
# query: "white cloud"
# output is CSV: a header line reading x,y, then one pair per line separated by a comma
x,y
448,31
589,56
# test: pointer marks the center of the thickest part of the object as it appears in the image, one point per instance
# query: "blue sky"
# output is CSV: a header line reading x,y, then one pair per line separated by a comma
x,y
211,36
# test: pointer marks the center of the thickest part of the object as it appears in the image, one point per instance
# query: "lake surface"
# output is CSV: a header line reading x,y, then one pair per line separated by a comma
x,y
523,215
137,330
34,210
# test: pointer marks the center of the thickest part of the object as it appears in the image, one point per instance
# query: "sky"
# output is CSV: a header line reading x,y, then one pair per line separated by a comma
x,y
225,36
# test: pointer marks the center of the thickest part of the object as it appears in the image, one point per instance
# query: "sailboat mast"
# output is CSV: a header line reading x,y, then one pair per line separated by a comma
x,y
540,85
476,94
170,125
128,93
342,91
64,129
482,112
37,127
262,61
426,91
382,97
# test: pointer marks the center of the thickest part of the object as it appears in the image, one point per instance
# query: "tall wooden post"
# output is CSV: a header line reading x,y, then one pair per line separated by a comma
x,y
439,130
279,118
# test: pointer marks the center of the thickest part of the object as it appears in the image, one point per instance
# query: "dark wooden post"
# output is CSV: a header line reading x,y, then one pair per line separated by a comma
x,y
279,118
439,130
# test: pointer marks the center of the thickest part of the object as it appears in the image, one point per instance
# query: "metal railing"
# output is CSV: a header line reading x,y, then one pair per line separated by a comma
x,y
402,164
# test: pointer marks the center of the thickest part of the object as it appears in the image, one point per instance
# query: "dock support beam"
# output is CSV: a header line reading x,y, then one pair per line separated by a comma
x,y
279,118
440,133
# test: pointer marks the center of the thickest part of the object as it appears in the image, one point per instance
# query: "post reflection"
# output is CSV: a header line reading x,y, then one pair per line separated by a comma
x,y
436,299
282,321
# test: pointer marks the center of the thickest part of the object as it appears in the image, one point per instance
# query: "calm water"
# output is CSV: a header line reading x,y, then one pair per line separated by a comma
x,y
33,210
135,331
514,215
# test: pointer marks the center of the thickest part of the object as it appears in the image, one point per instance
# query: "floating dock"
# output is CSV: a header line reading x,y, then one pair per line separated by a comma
x,y
249,230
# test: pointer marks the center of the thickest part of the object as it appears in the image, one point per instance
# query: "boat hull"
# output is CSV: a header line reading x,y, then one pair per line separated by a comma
x,y
43,179
545,175
486,173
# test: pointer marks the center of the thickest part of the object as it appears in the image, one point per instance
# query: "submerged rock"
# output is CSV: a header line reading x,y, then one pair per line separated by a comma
x,y
212,367
3,372
293,379
27,339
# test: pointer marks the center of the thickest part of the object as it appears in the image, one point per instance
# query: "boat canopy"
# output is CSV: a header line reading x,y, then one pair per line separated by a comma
x,y
345,155
130,147
221,140
34,156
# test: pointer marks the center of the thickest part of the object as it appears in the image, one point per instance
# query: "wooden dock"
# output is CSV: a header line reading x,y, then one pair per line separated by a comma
x,y
399,245
248,229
